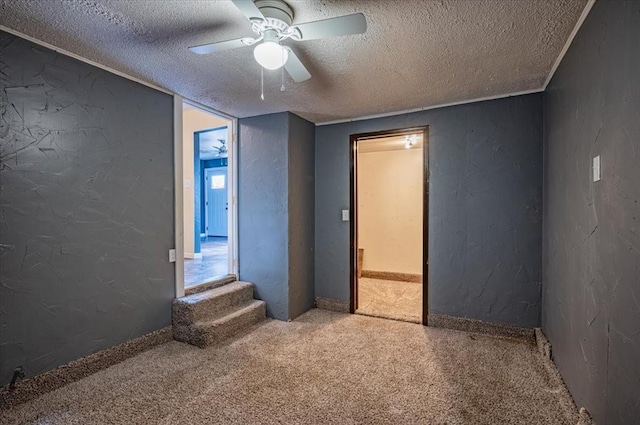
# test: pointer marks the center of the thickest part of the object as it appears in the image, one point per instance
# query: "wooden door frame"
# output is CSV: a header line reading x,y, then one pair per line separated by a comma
x,y
353,216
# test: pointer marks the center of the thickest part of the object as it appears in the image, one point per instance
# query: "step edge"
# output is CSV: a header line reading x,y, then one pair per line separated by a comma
x,y
239,312
229,288
190,315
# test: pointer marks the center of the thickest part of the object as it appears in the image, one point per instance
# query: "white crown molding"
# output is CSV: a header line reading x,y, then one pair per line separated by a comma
x,y
563,52
113,71
556,64
85,60
428,108
576,28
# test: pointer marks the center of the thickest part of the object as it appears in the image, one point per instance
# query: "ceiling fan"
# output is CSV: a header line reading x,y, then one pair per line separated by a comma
x,y
222,149
217,151
272,22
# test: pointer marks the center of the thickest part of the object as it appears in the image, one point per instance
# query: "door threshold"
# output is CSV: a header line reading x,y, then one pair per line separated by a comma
x,y
390,317
215,283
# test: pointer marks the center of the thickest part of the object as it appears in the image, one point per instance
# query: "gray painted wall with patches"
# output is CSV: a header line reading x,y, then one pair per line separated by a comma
x,y
275,211
301,215
485,207
87,209
591,263
263,206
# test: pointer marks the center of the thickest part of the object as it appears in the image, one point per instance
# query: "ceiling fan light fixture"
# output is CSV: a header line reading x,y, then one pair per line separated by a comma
x,y
409,141
271,55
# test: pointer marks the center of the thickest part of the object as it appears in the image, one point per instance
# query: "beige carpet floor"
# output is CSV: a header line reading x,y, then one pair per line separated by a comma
x,y
323,368
390,299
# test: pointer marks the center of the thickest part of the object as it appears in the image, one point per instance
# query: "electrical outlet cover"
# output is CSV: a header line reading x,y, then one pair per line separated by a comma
x,y
596,169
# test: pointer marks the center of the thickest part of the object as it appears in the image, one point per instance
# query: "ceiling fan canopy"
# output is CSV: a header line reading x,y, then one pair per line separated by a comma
x,y
272,22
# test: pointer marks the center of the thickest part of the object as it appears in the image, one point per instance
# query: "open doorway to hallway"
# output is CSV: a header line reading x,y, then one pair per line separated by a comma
x,y
388,230
206,195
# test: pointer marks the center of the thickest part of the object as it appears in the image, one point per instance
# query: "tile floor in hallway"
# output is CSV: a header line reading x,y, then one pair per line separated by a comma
x,y
390,299
322,368
214,262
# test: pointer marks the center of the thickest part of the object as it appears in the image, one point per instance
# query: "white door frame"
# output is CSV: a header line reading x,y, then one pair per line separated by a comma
x,y
178,176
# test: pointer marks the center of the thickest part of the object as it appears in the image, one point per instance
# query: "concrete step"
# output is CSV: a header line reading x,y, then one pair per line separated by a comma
x,y
209,332
211,304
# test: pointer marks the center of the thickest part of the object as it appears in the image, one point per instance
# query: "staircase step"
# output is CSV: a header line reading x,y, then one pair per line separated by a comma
x,y
211,304
209,332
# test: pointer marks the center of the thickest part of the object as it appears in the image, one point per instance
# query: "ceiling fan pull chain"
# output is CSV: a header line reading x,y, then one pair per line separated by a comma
x,y
261,83
282,73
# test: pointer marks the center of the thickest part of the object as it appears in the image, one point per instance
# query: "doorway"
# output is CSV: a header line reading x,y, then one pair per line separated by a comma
x,y
209,249
389,229
216,202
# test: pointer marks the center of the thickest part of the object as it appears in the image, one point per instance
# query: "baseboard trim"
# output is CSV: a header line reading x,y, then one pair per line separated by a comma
x,y
479,326
585,417
580,417
395,276
62,375
544,346
196,289
333,305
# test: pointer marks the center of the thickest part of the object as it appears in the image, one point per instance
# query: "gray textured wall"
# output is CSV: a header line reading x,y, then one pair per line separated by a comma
x,y
485,208
591,280
87,209
263,209
276,211
301,215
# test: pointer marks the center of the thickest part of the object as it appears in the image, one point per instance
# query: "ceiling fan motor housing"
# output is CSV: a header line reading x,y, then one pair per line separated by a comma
x,y
272,22
277,13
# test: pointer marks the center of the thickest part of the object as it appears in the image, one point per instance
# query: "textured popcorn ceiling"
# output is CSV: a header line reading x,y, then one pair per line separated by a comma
x,y
415,53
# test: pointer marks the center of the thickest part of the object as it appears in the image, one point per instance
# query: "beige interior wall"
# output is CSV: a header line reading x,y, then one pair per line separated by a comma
x,y
193,120
390,210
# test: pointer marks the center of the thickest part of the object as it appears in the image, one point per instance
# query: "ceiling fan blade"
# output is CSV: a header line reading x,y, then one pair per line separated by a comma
x,y
248,9
295,68
217,47
333,27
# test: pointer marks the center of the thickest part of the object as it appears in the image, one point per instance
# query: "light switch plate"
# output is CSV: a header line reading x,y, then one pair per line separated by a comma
x,y
596,169
345,215
172,255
